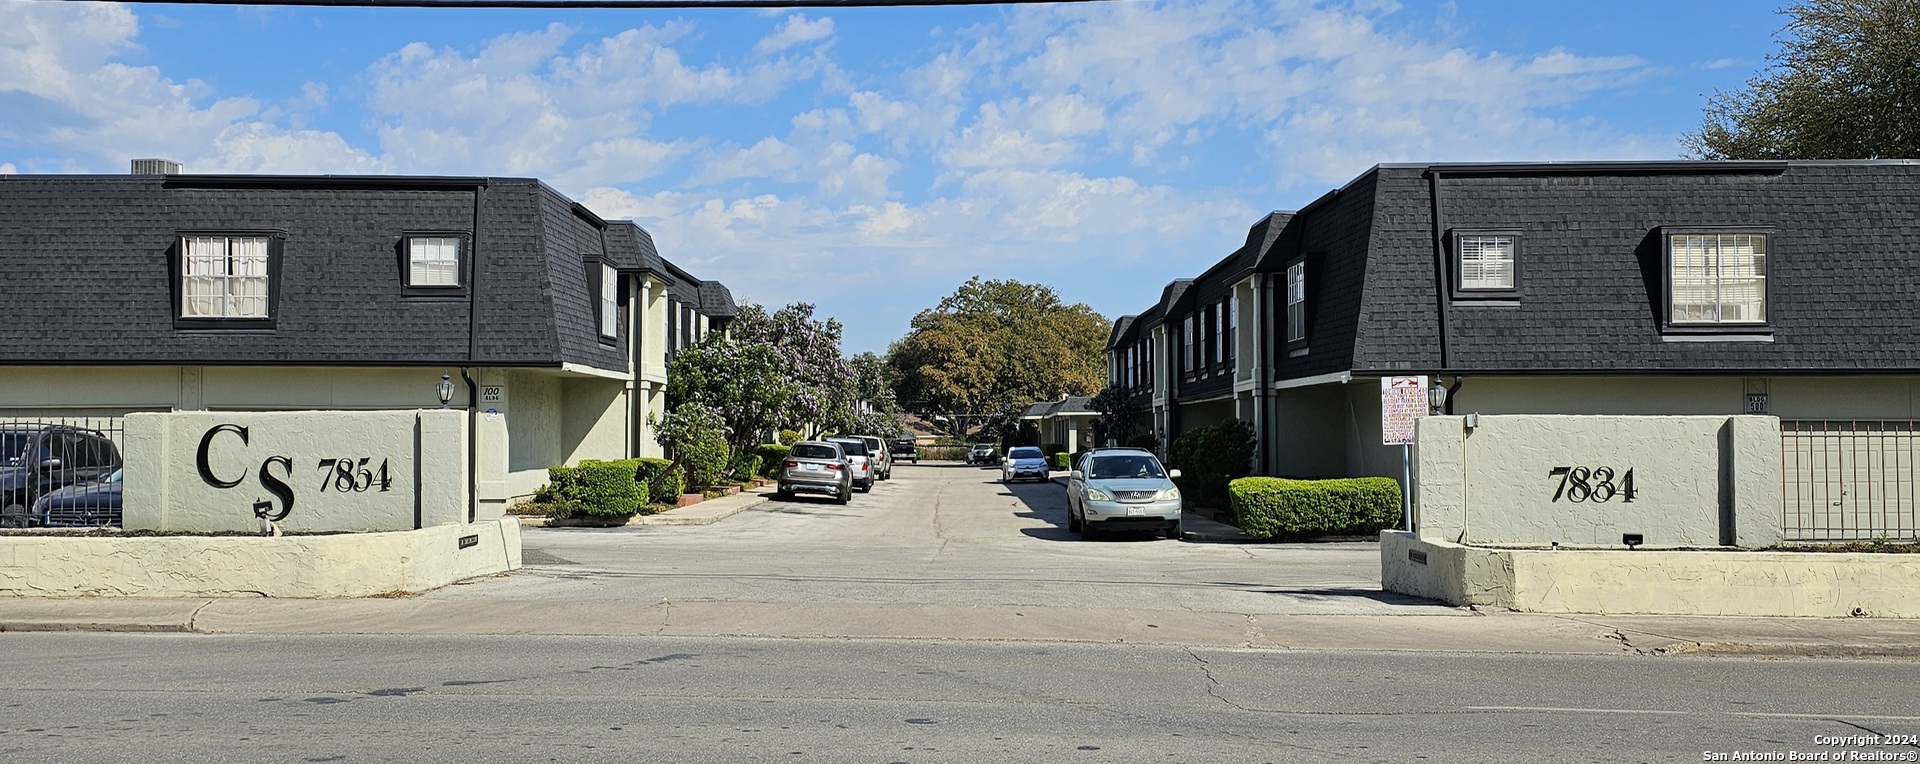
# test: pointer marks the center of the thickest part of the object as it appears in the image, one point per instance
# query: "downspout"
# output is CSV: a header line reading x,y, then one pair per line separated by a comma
x,y
1439,261
1261,356
473,353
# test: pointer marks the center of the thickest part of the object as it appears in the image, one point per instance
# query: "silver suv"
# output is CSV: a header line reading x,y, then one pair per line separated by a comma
x,y
814,466
1122,489
881,457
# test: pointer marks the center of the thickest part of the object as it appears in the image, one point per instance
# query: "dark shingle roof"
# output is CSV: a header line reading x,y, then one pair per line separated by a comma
x,y
91,263
1121,334
717,301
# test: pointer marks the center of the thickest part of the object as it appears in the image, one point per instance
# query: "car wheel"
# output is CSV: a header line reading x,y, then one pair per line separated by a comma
x,y
1087,532
783,494
1073,521
867,487
13,516
846,494
1173,531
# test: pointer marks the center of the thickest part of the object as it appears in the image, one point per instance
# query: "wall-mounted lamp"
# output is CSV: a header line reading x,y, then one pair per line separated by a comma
x,y
1437,397
446,390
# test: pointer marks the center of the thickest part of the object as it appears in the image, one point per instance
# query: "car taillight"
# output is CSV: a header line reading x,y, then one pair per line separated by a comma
x,y
792,464
834,466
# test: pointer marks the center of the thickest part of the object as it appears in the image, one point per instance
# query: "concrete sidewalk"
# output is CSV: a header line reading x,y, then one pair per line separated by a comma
x,y
1444,630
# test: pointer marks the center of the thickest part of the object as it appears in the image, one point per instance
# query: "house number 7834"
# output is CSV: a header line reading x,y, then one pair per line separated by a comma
x,y
1581,484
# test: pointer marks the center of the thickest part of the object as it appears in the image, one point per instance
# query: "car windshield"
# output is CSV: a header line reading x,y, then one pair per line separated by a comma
x,y
112,478
853,447
1123,467
815,451
1025,452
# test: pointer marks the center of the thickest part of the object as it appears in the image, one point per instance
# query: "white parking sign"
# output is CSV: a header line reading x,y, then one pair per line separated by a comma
x,y
1403,400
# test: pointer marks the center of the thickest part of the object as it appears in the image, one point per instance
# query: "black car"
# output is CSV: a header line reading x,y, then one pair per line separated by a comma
x,y
904,451
86,505
38,459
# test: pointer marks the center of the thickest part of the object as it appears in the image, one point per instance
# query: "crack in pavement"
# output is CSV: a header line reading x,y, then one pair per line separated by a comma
x,y
1213,682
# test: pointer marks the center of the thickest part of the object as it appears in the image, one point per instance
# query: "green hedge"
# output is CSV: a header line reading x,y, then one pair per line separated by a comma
x,y
1280,508
663,480
772,457
1052,448
746,466
1059,460
599,488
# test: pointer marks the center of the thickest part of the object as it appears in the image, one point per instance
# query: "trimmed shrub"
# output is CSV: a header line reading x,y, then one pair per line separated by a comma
x,y
599,488
1059,461
697,438
772,455
1209,458
1053,448
745,466
1281,508
789,437
662,478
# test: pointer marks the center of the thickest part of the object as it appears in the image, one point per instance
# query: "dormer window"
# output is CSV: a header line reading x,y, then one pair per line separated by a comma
x,y
609,302
433,261
226,280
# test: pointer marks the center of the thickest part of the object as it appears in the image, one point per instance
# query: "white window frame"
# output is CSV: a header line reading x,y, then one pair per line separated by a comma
x,y
609,301
1480,253
218,281
1233,327
438,254
1297,302
1712,263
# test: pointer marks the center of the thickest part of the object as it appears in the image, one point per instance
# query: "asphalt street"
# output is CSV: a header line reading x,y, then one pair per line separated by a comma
x,y
941,618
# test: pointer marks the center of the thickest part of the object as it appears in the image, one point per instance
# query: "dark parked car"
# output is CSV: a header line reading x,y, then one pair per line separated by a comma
x,y
814,466
87,505
905,451
38,459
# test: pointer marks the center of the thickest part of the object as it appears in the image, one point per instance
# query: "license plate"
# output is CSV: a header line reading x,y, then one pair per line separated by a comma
x,y
1136,511
810,467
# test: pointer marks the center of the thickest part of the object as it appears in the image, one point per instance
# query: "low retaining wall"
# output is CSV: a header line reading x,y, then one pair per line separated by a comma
x,y
340,565
1653,581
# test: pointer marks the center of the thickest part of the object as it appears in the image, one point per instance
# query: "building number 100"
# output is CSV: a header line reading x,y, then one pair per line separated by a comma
x,y
1580,484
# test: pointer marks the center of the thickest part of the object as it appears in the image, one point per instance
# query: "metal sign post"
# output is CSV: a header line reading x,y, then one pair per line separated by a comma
x,y
1403,400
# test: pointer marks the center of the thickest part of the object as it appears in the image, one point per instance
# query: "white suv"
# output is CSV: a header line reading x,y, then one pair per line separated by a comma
x,y
1122,489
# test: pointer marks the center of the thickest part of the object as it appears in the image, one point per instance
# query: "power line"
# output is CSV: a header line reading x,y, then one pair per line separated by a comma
x,y
667,4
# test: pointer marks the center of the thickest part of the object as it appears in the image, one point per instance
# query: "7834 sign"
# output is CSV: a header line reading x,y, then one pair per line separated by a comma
x,y
1595,484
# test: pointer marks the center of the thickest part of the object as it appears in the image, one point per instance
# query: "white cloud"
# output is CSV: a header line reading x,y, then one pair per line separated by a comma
x,y
795,31
7,168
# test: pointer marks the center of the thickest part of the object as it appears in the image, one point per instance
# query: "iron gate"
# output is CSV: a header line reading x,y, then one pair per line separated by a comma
x,y
1849,479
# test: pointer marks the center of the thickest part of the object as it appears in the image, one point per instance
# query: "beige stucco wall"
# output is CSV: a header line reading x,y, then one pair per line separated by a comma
x,y
344,565
1668,582
1789,397
1693,476
422,455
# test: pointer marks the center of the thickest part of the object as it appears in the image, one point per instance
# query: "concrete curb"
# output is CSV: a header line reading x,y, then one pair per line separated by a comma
x,y
705,513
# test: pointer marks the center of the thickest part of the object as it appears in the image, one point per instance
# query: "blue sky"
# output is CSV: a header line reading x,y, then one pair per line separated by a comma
x,y
871,160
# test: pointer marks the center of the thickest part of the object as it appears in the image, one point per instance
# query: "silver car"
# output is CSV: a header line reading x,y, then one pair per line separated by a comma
x,y
859,461
814,466
877,449
1122,489
1024,463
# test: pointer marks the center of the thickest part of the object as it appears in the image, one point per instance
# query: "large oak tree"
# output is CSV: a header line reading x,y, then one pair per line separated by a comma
x,y
993,347
1845,84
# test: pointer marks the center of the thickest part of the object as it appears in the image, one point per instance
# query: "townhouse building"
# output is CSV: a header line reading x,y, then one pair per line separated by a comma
x,y
1640,288
179,292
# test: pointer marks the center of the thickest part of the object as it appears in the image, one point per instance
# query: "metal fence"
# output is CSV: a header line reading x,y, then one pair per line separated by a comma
x,y
60,471
1846,480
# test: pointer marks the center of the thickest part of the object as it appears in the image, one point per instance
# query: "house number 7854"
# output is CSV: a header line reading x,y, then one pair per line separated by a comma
x,y
1581,484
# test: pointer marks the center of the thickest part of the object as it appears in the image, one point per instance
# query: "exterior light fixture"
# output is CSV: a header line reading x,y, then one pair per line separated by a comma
x,y
446,390
1437,397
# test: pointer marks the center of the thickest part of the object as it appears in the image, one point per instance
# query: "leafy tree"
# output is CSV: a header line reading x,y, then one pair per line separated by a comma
x,y
744,383
1119,416
697,438
993,347
1845,84
809,349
